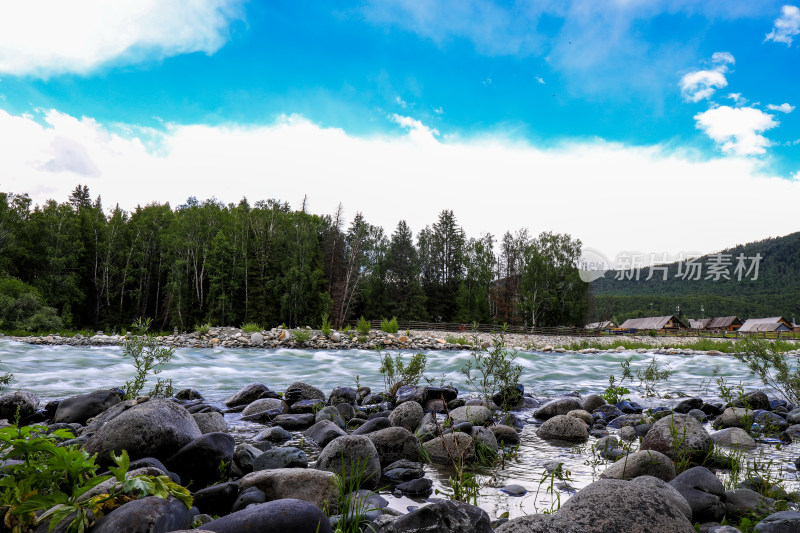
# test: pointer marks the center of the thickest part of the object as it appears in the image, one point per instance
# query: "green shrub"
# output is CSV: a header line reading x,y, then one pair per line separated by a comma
x,y
326,326
493,370
389,326
202,329
765,360
250,327
301,336
363,326
23,308
397,374
148,355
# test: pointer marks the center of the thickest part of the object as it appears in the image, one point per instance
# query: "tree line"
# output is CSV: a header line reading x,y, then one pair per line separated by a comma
x,y
206,262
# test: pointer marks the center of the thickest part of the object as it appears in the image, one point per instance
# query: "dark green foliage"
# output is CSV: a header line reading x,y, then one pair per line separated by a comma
x,y
765,360
22,308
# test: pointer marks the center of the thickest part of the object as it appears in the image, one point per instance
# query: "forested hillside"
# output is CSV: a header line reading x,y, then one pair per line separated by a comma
x,y
76,264
774,291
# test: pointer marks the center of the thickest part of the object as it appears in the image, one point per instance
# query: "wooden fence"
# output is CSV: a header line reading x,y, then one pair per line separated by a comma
x,y
463,328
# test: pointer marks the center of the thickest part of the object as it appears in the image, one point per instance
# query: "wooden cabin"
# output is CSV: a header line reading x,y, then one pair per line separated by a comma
x,y
724,323
758,325
656,323
699,323
606,325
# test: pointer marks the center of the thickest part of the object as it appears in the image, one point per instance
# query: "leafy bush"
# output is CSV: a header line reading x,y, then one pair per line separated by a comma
x,y
493,369
48,481
326,326
389,326
363,326
147,357
397,374
250,327
202,329
765,360
302,336
614,393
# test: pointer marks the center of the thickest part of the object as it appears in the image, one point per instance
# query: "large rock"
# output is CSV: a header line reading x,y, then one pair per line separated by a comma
x,y
247,394
342,395
754,400
781,522
704,492
353,453
538,523
210,422
733,437
407,415
504,435
445,516
477,415
375,424
592,402
678,435
279,516
79,409
150,514
283,457
561,406
448,448
563,427
745,502
266,404
201,461
26,402
302,391
395,443
411,393
738,417
642,463
216,499
314,486
155,428
294,422
613,505
668,490
323,432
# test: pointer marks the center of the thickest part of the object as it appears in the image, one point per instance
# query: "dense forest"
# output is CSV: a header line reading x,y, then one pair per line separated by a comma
x,y
75,264
774,291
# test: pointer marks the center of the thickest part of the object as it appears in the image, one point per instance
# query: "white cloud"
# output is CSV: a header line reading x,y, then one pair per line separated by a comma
x,y
493,182
786,26
399,101
737,98
737,130
783,108
47,37
701,84
540,80
722,58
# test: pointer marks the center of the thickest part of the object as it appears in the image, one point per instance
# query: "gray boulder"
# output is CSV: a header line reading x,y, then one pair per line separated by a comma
x,y
592,402
677,435
144,515
278,516
447,448
668,491
738,417
642,463
375,424
330,413
314,486
247,394
704,492
505,435
200,460
81,408
210,422
538,523
563,427
733,437
342,395
407,415
155,428
745,502
613,505
394,444
561,406
26,402
444,516
477,415
266,404
780,522
323,432
302,391
485,437
284,457
349,454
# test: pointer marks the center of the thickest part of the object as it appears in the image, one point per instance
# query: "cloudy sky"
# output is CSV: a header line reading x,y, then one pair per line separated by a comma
x,y
650,125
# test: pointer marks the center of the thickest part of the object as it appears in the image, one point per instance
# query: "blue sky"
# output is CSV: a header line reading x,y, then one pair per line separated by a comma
x,y
548,115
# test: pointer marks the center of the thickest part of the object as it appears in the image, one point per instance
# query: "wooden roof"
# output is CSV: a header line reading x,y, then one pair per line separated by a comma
x,y
723,321
764,324
699,323
601,325
653,322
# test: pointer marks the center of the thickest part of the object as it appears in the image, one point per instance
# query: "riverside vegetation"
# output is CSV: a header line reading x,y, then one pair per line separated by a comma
x,y
366,441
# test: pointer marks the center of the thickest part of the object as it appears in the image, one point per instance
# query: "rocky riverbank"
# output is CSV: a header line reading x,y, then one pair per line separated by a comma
x,y
228,337
358,442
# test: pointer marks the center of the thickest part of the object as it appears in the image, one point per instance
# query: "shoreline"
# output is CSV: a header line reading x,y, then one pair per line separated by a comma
x,y
414,340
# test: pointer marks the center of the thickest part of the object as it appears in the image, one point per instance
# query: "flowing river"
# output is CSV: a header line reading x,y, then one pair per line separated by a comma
x,y
55,372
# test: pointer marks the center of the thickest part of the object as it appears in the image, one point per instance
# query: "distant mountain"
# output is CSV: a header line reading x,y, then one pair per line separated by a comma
x,y
774,291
